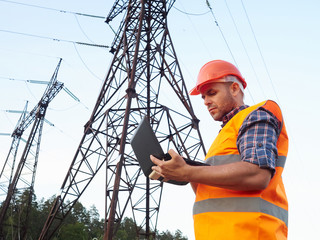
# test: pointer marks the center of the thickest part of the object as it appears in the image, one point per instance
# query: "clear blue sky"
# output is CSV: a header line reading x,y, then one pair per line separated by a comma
x,y
283,67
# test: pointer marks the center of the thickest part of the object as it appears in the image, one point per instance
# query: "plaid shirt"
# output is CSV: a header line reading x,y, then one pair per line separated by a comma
x,y
257,137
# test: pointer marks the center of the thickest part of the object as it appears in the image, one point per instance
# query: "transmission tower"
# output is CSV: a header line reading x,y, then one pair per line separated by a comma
x,y
9,164
144,79
25,172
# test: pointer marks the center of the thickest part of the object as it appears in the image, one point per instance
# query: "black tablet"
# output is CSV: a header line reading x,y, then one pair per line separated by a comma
x,y
145,143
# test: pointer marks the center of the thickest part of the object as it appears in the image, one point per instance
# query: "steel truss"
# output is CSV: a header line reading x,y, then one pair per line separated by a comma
x,y
24,177
143,80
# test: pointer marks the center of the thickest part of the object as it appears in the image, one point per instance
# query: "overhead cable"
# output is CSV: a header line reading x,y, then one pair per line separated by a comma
x,y
193,14
295,146
84,33
260,52
197,33
244,47
86,66
54,9
56,39
225,40
216,21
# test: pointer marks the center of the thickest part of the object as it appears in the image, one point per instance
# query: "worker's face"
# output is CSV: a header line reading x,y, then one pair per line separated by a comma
x,y
218,98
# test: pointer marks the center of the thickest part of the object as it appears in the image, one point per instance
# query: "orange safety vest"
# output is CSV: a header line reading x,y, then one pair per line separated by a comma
x,y
224,214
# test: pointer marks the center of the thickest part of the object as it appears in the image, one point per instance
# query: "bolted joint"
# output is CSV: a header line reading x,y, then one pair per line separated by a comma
x,y
195,123
131,92
112,50
88,128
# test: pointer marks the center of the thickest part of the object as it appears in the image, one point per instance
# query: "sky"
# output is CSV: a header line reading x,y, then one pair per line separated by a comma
x,y
273,43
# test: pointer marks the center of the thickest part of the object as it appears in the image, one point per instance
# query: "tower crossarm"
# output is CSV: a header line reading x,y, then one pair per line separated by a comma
x,y
51,91
118,7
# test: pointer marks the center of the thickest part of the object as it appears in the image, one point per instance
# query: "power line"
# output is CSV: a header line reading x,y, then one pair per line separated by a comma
x,y
55,39
84,33
197,33
295,146
260,52
54,9
193,14
225,40
244,47
216,22
86,66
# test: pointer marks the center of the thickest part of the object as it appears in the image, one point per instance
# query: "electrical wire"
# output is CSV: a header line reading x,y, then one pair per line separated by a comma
x,y
197,33
260,52
225,40
191,14
54,9
295,146
86,66
55,39
77,20
244,47
9,120
26,52
35,98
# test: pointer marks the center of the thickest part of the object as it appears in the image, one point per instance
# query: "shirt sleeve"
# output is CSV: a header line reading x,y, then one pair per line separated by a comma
x,y
257,139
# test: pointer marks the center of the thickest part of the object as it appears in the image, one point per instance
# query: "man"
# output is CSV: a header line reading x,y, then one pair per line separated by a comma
x,y
241,194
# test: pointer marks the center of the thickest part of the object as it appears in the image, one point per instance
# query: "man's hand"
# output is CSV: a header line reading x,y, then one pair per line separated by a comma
x,y
174,169
243,176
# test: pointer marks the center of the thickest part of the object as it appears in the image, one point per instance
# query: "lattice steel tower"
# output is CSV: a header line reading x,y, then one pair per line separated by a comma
x,y
144,79
22,178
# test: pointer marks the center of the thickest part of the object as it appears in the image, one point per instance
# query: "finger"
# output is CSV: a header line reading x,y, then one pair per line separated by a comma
x,y
157,170
154,159
173,153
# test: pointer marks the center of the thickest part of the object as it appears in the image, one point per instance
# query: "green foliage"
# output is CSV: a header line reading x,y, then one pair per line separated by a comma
x,y
127,230
80,224
169,236
75,231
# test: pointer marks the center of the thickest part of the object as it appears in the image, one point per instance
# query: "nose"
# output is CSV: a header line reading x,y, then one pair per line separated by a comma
x,y
206,100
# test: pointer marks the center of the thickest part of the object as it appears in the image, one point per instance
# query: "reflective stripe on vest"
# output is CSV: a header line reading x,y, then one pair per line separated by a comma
x,y
232,158
240,204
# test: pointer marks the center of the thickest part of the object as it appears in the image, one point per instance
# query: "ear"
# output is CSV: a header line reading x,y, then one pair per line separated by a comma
x,y
235,89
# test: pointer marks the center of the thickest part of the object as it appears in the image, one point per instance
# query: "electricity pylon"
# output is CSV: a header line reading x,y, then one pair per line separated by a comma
x,y
144,79
25,172
7,171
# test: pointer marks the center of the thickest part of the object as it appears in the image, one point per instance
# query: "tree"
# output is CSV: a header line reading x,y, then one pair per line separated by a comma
x,y
96,225
80,223
167,235
16,220
127,230
75,231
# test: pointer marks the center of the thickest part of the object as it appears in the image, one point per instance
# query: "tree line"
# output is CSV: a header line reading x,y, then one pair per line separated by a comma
x,y
80,224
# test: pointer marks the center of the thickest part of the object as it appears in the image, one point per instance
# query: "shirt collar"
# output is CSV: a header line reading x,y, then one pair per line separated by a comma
x,y
231,114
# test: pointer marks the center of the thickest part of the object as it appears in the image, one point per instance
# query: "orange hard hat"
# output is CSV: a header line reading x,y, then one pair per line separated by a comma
x,y
214,71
